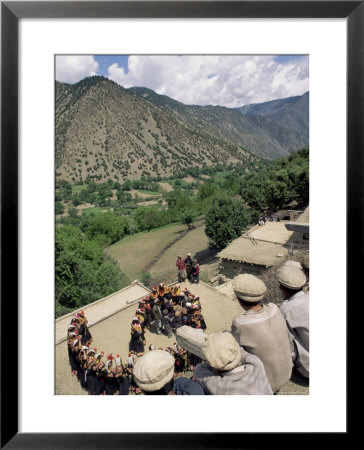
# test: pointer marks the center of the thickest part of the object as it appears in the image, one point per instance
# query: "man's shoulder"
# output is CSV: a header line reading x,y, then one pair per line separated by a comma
x,y
267,310
296,299
185,386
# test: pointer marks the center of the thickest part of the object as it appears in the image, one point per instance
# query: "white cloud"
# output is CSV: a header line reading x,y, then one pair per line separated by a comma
x,y
227,80
73,68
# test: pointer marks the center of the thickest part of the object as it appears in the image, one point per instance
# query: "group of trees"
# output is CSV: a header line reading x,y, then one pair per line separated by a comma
x,y
83,272
271,187
100,194
229,201
279,183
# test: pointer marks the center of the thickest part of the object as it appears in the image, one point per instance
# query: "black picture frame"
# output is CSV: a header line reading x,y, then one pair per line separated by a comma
x,y
11,12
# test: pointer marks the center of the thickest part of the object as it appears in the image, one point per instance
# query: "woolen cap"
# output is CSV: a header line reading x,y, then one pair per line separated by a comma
x,y
153,370
249,288
290,262
222,351
291,277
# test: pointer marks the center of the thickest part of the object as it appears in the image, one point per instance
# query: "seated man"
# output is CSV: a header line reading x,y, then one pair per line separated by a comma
x,y
262,331
230,370
154,374
295,310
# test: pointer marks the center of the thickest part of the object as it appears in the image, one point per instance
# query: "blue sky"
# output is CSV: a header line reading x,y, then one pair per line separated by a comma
x,y
105,61
226,80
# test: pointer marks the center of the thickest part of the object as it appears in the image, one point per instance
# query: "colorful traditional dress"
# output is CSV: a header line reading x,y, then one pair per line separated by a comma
x,y
136,341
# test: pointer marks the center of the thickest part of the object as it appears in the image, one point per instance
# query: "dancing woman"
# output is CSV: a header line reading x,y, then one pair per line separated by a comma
x,y
137,337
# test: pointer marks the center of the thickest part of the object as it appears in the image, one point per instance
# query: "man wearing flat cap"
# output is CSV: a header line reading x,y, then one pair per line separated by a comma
x,y
154,374
261,330
295,309
229,370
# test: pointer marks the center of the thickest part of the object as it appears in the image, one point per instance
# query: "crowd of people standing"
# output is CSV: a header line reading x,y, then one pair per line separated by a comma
x,y
188,269
101,374
164,310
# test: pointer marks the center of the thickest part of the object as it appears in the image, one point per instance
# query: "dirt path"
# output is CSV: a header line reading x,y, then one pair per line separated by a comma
x,y
171,244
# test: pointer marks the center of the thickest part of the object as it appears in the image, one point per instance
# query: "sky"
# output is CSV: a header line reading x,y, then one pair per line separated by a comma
x,y
225,80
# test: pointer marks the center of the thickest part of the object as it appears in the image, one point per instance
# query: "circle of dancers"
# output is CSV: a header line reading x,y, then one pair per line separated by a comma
x,y
163,311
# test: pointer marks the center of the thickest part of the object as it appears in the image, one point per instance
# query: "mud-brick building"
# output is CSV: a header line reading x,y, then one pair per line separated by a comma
x,y
265,246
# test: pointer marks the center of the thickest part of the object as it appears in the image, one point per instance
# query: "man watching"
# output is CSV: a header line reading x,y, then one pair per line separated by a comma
x,y
261,330
295,310
230,370
154,374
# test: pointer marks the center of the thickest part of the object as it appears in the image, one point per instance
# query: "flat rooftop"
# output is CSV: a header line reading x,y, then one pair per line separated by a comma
x,y
103,308
264,245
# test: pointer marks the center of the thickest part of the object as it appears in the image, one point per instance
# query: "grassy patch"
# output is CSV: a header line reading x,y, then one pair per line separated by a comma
x,y
194,242
95,210
146,192
220,176
77,188
133,253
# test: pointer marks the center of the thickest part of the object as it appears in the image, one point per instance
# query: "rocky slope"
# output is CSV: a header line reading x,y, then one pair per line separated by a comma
x,y
105,131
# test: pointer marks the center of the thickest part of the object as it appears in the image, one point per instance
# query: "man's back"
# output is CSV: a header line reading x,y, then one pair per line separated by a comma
x,y
296,313
247,379
264,333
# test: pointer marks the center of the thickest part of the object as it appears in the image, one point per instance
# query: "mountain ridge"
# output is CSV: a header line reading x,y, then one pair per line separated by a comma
x,y
292,112
255,134
106,131
103,130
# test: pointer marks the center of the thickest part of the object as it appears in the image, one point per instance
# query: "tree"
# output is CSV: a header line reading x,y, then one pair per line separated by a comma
x,y
252,190
83,273
207,190
152,219
187,217
72,212
225,220
124,197
106,228
59,208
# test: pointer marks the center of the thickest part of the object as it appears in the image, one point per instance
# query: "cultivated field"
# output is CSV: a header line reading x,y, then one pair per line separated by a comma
x,y
195,242
135,253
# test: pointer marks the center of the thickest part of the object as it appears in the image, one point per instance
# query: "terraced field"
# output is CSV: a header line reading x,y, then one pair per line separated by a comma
x,y
137,253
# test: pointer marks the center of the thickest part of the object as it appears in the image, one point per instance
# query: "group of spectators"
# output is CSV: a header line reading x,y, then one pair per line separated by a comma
x,y
256,357
263,219
107,375
188,269
164,310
